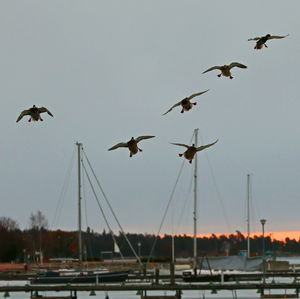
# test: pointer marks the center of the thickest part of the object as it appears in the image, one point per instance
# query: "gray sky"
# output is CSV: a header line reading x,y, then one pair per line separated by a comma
x,y
107,70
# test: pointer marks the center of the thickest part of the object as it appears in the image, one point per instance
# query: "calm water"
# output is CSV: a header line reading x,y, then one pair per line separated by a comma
x,y
246,294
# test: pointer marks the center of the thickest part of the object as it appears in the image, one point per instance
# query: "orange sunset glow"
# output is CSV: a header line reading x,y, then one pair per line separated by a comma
x,y
280,236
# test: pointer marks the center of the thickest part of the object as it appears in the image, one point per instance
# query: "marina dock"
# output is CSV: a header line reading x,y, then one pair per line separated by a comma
x,y
143,288
152,287
158,276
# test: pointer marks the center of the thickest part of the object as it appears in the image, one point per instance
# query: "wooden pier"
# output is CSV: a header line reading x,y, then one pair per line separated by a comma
x,y
273,296
53,297
153,276
147,283
151,287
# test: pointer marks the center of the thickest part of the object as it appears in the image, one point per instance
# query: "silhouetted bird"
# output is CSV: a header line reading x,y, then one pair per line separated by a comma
x,y
34,113
225,69
261,40
189,154
131,144
185,103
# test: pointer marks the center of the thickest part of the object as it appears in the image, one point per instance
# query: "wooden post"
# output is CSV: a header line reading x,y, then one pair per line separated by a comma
x,y
172,273
156,275
222,277
178,294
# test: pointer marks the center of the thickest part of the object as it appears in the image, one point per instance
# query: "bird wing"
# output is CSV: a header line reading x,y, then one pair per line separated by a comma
x,y
212,68
181,144
197,94
254,38
177,104
278,36
200,148
233,64
23,113
138,139
43,109
121,144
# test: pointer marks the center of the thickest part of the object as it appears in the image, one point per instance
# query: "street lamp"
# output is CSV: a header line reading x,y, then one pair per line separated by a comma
x,y
139,244
263,222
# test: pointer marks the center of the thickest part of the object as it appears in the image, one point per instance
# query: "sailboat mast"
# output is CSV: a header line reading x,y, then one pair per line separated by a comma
x,y
195,203
173,249
248,215
79,145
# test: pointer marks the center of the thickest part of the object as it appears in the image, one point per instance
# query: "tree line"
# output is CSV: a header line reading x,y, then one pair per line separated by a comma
x,y
25,245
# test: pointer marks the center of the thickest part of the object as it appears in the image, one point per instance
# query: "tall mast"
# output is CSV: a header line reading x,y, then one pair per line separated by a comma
x,y
195,203
79,145
173,248
248,215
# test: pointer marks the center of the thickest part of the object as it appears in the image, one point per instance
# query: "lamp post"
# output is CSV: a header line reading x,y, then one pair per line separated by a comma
x,y
263,222
139,244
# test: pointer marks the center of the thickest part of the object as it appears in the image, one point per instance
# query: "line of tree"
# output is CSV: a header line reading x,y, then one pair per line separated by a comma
x,y
25,245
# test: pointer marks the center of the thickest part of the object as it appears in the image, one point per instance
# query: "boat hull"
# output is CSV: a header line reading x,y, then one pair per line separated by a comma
x,y
93,278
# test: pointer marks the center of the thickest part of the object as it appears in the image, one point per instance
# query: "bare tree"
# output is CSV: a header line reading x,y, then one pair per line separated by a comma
x,y
38,221
8,224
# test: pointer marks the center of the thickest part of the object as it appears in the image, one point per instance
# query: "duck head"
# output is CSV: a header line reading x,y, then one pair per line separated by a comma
x,y
34,108
184,101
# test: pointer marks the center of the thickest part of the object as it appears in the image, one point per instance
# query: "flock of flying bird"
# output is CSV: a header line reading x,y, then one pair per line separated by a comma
x,y
186,104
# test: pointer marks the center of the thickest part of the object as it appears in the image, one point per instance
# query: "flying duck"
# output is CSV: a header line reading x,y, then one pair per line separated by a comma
x,y
225,69
34,113
191,151
185,103
131,144
261,40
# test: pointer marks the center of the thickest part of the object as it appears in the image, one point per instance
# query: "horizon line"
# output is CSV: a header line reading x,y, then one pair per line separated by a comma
x,y
274,235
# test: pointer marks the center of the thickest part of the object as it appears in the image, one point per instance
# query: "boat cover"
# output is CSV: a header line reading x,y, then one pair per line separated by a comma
x,y
241,263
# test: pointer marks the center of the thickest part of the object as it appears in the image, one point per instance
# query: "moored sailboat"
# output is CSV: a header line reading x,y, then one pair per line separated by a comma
x,y
225,268
195,273
81,275
61,277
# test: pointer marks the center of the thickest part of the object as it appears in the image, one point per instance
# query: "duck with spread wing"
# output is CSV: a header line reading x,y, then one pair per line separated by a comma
x,y
34,113
186,103
261,40
226,69
132,145
191,151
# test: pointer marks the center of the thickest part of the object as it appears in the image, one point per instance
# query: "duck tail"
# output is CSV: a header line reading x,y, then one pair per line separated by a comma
x,y
258,47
